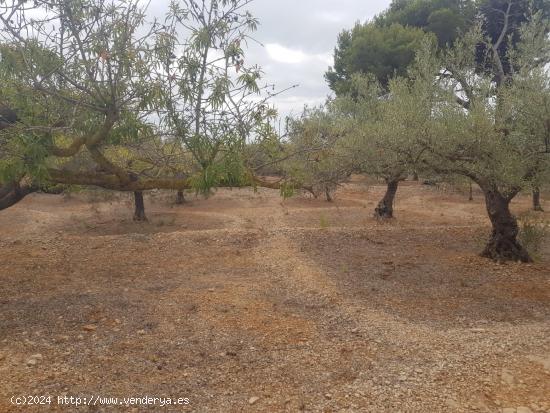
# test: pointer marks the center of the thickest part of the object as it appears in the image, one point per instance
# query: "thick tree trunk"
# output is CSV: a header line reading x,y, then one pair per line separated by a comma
x,y
536,200
327,194
12,193
139,214
385,206
415,176
180,198
503,244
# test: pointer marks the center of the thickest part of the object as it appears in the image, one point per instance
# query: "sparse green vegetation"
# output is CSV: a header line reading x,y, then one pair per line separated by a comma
x,y
533,233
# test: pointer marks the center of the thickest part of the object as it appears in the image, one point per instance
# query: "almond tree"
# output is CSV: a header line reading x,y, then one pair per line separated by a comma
x,y
212,102
104,98
72,71
319,161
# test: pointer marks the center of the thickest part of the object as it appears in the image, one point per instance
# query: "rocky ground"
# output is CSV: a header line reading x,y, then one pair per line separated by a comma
x,y
244,302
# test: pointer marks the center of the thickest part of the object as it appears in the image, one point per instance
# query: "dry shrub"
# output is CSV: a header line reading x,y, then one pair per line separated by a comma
x,y
165,220
532,234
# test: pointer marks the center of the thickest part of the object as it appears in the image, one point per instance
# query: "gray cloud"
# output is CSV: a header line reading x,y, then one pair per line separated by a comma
x,y
309,29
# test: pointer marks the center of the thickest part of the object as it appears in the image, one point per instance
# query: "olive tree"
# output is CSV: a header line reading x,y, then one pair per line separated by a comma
x,y
386,126
487,128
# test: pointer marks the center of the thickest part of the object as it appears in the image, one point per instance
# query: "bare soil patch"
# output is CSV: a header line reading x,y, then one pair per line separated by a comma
x,y
306,305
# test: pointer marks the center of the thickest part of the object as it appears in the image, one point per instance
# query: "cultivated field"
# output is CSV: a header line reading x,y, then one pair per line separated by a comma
x,y
244,302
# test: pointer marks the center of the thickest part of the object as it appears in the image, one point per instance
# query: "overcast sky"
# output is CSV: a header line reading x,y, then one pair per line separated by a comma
x,y
298,38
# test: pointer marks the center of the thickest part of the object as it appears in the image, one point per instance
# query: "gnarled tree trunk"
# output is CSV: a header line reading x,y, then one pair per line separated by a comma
x,y
180,198
385,206
503,244
536,200
139,213
12,193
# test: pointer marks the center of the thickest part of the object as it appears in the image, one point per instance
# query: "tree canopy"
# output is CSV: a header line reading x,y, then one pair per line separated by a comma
x,y
103,97
446,19
382,51
386,45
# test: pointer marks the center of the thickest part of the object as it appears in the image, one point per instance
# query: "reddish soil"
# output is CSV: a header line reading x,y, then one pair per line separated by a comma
x,y
244,302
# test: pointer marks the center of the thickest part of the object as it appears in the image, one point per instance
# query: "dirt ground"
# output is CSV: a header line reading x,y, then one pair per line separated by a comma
x,y
244,302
